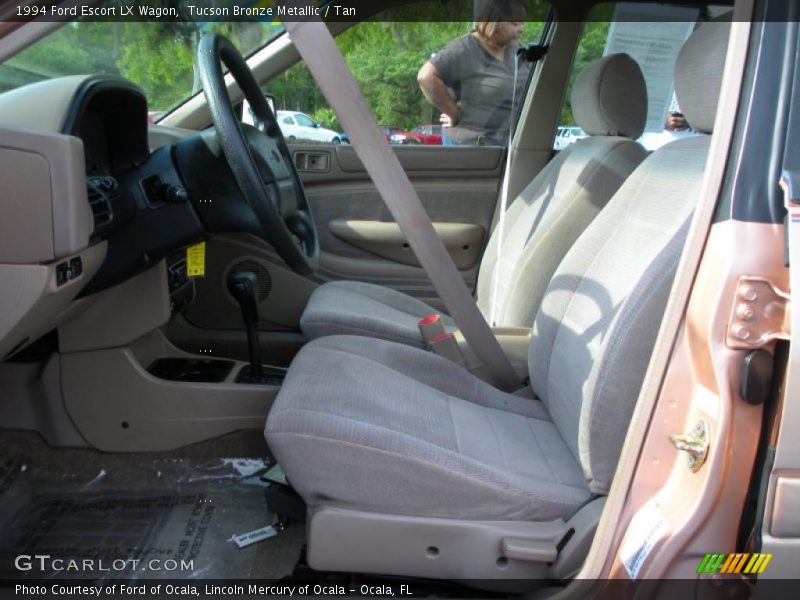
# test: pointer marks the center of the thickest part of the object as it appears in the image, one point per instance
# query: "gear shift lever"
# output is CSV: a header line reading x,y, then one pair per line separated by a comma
x,y
242,286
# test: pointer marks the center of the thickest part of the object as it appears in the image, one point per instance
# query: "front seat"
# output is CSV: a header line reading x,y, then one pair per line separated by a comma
x,y
609,100
412,466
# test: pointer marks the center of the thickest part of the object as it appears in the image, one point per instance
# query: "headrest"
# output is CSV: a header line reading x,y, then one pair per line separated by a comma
x,y
698,74
609,97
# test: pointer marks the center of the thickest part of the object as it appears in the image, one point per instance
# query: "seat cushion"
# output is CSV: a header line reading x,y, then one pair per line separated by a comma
x,y
356,308
378,426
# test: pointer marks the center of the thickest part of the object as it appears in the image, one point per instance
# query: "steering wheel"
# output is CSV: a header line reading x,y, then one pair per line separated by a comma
x,y
259,157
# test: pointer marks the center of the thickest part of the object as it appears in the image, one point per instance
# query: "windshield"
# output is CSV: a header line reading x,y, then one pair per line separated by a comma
x,y
158,56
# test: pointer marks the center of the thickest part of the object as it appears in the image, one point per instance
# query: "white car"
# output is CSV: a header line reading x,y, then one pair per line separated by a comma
x,y
299,126
566,136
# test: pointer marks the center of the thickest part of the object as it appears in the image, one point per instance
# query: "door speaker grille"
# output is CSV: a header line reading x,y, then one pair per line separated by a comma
x,y
263,278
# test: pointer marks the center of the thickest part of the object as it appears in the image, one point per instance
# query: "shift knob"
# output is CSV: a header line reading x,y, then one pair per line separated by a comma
x,y
242,286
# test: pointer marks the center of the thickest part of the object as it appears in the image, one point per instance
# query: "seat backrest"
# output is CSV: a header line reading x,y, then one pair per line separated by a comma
x,y
609,101
594,333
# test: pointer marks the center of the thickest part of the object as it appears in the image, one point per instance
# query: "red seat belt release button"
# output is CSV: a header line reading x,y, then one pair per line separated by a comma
x,y
431,327
439,341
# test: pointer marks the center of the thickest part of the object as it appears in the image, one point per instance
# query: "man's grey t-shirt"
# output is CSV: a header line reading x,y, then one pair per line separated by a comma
x,y
483,86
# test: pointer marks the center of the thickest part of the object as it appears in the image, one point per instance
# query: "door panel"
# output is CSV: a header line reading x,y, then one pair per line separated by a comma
x,y
459,195
457,186
386,240
440,161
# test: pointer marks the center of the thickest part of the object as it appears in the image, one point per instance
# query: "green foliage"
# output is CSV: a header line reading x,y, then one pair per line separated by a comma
x,y
592,44
384,58
327,118
159,56
160,61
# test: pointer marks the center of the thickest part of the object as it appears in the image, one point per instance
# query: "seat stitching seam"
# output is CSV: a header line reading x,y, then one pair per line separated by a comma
x,y
500,447
452,421
541,452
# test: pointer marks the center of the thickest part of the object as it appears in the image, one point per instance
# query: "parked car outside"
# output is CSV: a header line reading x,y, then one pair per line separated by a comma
x,y
566,136
404,137
390,130
397,135
299,126
429,134
424,134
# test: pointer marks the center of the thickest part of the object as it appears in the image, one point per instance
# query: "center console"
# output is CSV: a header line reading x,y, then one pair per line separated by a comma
x,y
242,286
203,370
181,288
126,387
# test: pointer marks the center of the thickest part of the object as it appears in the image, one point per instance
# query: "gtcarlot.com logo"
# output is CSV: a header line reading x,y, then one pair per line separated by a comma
x,y
47,563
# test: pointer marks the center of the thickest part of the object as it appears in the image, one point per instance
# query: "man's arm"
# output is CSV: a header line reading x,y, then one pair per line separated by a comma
x,y
435,91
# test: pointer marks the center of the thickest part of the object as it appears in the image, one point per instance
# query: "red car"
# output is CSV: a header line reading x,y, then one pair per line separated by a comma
x,y
424,134
393,131
429,134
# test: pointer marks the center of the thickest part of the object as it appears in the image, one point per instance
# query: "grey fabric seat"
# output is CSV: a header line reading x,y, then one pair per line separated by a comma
x,y
450,445
383,428
609,101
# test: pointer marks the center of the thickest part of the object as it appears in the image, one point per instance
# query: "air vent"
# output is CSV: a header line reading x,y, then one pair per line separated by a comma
x,y
100,191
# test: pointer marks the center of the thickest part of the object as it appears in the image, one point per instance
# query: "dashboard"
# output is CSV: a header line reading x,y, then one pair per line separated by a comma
x,y
138,201
87,205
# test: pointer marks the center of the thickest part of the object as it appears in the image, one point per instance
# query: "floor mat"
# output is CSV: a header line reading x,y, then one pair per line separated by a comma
x,y
142,519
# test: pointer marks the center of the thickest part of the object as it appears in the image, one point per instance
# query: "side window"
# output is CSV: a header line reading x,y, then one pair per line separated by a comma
x,y
304,121
445,74
288,120
652,35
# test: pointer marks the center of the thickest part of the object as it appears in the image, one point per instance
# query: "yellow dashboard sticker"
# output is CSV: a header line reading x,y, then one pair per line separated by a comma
x,y
196,260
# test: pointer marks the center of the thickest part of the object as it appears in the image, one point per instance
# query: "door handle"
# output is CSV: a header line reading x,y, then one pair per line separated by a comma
x,y
315,162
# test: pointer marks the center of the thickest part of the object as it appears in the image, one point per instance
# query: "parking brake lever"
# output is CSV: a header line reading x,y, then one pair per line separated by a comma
x,y
242,286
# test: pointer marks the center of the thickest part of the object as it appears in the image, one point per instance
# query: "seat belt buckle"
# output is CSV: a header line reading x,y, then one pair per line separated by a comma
x,y
431,327
438,341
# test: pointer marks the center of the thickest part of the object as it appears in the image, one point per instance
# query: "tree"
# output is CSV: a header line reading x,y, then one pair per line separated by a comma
x,y
592,44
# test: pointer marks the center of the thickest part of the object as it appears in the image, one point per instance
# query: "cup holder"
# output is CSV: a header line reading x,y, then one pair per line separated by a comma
x,y
197,370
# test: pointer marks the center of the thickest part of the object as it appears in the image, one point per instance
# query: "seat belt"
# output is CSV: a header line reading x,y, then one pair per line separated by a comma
x,y
532,53
326,63
503,202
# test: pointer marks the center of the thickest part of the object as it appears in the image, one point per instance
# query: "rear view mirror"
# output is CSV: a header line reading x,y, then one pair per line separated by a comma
x,y
271,101
246,115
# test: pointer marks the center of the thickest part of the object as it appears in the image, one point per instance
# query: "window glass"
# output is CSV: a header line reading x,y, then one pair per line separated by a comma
x,y
473,84
157,55
652,34
304,121
288,120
